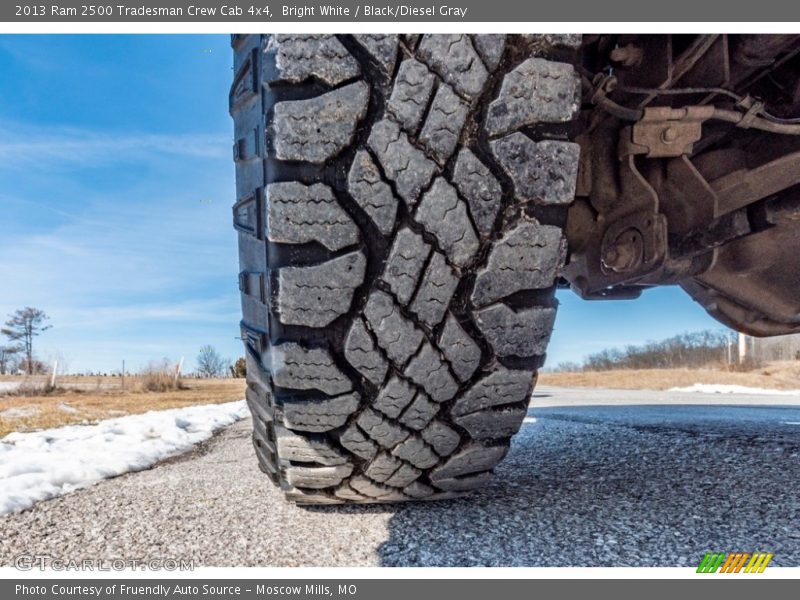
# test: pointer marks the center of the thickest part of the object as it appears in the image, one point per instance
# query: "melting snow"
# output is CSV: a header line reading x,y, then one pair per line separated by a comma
x,y
705,388
43,464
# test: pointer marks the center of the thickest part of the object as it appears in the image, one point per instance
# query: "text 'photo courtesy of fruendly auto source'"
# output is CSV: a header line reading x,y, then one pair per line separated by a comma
x,y
291,297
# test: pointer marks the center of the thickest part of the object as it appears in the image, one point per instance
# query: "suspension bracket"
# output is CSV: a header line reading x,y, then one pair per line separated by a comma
x,y
665,132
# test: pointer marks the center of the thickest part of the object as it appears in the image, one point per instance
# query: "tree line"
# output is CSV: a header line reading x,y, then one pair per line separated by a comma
x,y
686,350
26,324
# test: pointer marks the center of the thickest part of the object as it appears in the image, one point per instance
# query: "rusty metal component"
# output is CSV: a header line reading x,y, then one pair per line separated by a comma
x,y
760,50
671,195
656,65
778,211
629,55
713,235
753,283
734,314
624,253
734,62
737,239
666,132
627,243
635,243
745,186
604,85
750,119
665,64
687,197
772,51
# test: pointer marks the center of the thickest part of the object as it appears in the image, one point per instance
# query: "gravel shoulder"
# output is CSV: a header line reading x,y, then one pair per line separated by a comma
x,y
582,486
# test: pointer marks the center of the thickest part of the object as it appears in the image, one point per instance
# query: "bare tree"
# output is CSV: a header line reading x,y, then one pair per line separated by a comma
x,y
24,325
7,354
686,350
209,362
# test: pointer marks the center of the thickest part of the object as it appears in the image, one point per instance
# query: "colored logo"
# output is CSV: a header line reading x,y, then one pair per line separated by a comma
x,y
734,562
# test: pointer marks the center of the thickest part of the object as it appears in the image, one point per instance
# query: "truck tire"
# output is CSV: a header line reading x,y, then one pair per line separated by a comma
x,y
400,209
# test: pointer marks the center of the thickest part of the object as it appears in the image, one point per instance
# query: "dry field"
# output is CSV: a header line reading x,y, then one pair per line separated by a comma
x,y
779,376
90,399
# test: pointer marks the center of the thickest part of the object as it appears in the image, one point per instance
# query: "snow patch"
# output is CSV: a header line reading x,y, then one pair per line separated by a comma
x,y
705,388
43,464
19,412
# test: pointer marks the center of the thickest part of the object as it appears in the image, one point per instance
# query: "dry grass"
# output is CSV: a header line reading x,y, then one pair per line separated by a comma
x,y
90,399
779,376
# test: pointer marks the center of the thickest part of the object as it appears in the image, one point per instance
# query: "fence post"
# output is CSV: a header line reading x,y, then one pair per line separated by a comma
x,y
742,348
178,368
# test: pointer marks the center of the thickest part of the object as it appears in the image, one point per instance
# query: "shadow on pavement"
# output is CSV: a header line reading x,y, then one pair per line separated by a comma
x,y
621,486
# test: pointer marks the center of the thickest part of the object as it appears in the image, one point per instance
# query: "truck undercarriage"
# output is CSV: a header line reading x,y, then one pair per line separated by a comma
x,y
689,173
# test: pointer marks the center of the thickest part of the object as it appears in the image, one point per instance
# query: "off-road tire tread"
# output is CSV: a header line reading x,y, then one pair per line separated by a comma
x,y
397,258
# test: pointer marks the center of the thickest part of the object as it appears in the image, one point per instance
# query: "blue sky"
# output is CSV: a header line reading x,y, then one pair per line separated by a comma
x,y
116,182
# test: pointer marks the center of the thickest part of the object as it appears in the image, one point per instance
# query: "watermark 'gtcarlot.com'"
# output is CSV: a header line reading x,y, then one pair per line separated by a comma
x,y
30,562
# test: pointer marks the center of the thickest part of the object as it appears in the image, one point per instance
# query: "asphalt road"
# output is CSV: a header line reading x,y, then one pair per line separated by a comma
x,y
620,483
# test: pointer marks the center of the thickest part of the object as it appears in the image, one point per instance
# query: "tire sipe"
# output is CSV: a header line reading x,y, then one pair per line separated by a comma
x,y
400,209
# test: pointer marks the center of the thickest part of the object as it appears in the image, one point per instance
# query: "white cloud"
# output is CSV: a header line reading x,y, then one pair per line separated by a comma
x,y
207,310
138,270
23,147
150,255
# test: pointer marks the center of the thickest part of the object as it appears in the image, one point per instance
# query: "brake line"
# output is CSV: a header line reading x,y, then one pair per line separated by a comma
x,y
752,119
703,90
678,91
